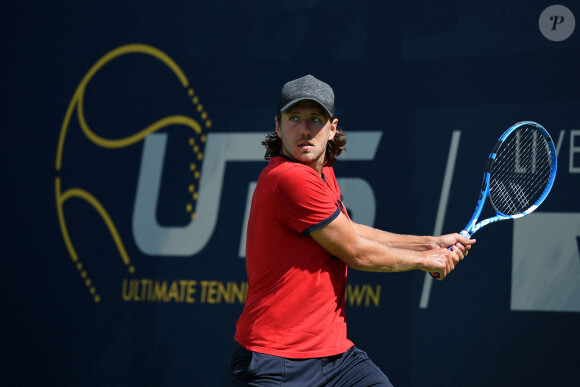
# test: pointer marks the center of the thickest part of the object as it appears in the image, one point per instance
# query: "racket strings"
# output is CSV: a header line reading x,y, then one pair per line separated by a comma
x,y
521,171
521,188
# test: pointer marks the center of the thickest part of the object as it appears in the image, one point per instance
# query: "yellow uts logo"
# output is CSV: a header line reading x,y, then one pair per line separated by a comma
x,y
139,185
79,185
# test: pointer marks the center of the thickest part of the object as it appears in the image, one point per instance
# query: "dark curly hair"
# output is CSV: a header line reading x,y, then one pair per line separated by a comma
x,y
334,147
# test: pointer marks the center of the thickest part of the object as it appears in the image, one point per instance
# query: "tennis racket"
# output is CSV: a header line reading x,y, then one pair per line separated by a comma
x,y
519,174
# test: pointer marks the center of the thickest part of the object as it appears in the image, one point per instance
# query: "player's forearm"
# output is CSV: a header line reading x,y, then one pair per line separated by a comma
x,y
408,242
362,248
371,255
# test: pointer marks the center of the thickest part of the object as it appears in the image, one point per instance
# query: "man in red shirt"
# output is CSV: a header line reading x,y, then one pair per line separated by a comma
x,y
300,242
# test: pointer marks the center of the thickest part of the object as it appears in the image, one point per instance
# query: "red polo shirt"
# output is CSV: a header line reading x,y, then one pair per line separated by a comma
x,y
295,302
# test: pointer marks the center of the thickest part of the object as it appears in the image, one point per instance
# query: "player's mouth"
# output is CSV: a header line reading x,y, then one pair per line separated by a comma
x,y
305,144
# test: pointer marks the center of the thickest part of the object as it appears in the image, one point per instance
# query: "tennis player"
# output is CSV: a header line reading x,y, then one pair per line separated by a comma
x,y
300,241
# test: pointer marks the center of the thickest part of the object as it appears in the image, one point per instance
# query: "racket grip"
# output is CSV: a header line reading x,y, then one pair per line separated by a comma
x,y
464,234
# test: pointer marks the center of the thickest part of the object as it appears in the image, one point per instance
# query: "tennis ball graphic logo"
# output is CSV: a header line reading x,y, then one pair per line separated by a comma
x,y
84,143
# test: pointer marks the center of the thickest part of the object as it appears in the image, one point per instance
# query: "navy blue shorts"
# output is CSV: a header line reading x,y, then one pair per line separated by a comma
x,y
352,368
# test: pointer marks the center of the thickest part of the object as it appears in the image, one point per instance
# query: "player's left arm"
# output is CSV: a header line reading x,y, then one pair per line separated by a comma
x,y
410,242
340,239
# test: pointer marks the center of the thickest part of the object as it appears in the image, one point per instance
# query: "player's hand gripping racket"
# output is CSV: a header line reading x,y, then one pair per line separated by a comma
x,y
519,174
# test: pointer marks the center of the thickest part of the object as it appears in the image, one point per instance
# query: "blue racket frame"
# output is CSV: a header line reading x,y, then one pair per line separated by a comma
x,y
473,226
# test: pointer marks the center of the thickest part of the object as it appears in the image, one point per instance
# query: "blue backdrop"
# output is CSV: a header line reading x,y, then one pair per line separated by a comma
x,y
130,148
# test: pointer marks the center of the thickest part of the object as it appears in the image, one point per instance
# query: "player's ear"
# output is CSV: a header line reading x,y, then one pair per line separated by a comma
x,y
333,126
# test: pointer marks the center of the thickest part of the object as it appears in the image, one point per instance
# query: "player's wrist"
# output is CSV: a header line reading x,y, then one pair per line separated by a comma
x,y
431,242
422,261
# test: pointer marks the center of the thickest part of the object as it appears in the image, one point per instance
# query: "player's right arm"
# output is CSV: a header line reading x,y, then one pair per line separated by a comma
x,y
343,239
410,242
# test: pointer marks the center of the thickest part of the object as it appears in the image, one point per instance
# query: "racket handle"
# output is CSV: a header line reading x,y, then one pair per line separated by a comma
x,y
464,234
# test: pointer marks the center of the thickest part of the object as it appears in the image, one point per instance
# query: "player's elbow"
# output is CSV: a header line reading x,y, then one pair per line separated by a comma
x,y
369,255
358,259
359,265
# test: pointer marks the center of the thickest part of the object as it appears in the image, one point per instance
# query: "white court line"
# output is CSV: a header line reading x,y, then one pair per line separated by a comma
x,y
560,139
443,200
251,189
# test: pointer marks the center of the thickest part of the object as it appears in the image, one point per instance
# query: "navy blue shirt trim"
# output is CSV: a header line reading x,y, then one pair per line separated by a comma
x,y
321,224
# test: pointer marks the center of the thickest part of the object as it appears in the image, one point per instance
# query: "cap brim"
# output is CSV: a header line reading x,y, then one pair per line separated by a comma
x,y
295,101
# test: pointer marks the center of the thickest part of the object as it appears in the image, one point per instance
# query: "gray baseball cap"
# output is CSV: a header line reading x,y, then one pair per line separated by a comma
x,y
307,88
